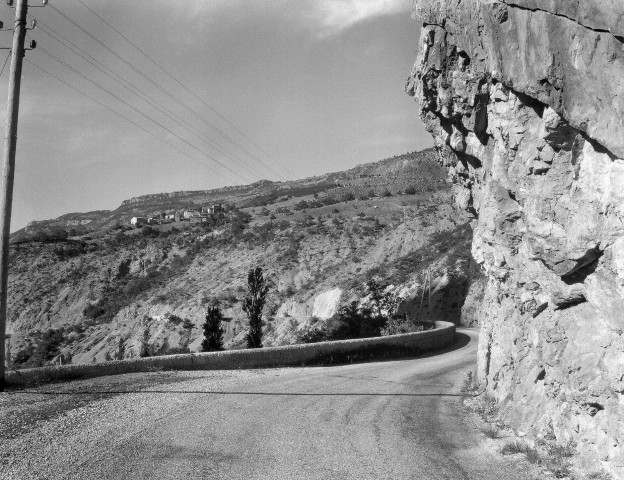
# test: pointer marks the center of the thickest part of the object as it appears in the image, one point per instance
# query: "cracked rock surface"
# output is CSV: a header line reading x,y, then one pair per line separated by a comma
x,y
525,101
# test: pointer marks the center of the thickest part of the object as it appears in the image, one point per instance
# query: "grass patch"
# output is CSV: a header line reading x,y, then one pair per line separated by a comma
x,y
486,406
599,476
490,431
562,451
553,457
532,455
558,458
513,448
469,385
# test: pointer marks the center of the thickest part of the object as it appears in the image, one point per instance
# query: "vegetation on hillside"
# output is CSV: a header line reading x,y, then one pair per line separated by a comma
x,y
117,292
377,317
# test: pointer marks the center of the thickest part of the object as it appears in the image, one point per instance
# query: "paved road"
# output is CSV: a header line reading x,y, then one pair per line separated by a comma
x,y
383,420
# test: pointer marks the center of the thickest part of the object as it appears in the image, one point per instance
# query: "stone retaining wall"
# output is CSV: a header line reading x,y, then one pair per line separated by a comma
x,y
291,355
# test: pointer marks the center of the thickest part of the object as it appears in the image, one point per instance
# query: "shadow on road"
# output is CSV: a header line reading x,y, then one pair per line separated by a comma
x,y
461,340
379,355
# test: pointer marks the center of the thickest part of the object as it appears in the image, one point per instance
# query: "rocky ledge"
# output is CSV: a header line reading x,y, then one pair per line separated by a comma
x,y
525,100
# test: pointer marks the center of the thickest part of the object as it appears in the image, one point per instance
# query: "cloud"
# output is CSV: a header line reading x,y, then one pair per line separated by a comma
x,y
337,15
324,17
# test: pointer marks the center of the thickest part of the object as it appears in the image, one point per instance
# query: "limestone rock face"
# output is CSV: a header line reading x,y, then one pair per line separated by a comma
x,y
525,100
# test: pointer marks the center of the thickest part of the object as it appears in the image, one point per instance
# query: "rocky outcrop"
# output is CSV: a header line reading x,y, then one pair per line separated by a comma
x,y
525,100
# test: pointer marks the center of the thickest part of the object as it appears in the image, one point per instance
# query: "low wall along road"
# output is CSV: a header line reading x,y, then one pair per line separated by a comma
x,y
323,352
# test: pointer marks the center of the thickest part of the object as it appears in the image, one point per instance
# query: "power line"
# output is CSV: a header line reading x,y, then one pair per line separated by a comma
x,y
184,86
136,91
126,119
140,112
5,62
133,89
146,77
72,69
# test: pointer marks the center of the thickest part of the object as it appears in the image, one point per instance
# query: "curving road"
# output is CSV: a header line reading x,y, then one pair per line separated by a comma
x,y
382,420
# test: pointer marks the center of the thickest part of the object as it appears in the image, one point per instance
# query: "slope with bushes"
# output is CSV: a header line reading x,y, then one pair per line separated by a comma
x,y
116,292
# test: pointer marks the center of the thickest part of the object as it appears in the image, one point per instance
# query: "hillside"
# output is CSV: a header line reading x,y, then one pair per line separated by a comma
x,y
111,291
418,169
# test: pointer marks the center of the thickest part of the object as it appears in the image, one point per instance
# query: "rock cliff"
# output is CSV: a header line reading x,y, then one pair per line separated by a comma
x,y
525,100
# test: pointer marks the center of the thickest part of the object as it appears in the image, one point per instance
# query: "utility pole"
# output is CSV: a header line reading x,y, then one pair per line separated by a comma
x,y
422,296
429,277
8,172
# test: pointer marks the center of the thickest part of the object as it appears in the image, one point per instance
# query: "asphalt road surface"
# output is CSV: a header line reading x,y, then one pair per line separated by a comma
x,y
382,420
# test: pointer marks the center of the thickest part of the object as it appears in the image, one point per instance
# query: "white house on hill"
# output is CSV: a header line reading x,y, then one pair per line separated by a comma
x,y
191,213
138,220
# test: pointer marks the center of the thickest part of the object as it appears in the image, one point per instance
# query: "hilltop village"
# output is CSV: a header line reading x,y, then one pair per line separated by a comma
x,y
211,215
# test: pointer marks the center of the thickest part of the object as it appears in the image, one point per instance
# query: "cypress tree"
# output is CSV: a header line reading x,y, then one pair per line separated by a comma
x,y
213,332
253,304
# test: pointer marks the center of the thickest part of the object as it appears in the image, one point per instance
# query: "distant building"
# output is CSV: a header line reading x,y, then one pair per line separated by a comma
x,y
202,219
191,213
213,209
138,220
152,221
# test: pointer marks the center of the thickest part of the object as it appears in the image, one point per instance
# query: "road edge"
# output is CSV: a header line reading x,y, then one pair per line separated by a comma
x,y
290,355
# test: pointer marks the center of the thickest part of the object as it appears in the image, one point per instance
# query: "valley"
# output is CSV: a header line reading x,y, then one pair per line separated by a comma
x,y
90,291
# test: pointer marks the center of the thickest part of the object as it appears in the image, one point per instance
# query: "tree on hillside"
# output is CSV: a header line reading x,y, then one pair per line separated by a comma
x,y
120,353
348,196
302,205
253,304
145,349
240,220
360,321
383,304
213,332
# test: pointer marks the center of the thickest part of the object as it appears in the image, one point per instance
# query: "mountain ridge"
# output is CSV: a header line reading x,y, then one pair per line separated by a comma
x,y
149,204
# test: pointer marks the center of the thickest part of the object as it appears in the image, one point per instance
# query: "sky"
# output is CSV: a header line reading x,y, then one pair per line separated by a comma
x,y
224,92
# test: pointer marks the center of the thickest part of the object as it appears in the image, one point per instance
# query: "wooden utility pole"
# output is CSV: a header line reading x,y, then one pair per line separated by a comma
x,y
8,172
429,278
422,296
